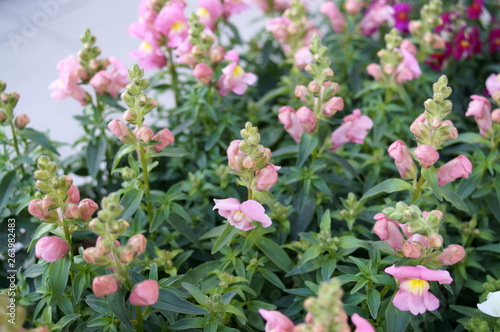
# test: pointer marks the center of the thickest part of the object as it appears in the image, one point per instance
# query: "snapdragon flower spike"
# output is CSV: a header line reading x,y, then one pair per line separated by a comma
x,y
413,294
111,81
480,109
408,69
354,129
276,321
234,78
241,215
492,304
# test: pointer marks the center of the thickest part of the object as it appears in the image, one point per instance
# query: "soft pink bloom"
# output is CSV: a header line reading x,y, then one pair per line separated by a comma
x,y
452,254
408,69
234,78
480,108
86,208
61,90
172,23
149,56
374,70
426,155
303,57
120,129
21,120
100,81
70,70
280,27
232,7
493,84
73,195
51,248
332,106
361,324
354,129
288,117
184,54
307,119
105,285
459,167
145,293
36,209
413,294
137,243
353,7
203,73
165,137
241,215
144,133
276,321
111,81
235,156
379,13
329,8
416,126
209,12
495,115
266,178
402,158
406,44
412,249
388,231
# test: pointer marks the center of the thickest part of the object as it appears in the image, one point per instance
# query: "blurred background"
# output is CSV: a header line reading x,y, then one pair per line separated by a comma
x,y
36,34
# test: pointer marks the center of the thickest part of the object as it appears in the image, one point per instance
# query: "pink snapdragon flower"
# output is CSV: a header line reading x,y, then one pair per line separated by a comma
x,y
353,7
288,118
280,27
495,115
303,57
361,324
375,71
413,294
267,177
149,56
203,73
209,12
51,248
380,12
401,11
403,160
460,167
145,293
111,81
172,23
354,129
241,215
408,69
121,130
480,109
165,137
232,7
105,285
493,84
276,321
427,155
235,156
452,254
234,78
388,231
329,8
71,73
36,209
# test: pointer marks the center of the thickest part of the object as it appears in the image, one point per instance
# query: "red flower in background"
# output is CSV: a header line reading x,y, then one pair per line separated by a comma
x,y
466,43
494,41
475,10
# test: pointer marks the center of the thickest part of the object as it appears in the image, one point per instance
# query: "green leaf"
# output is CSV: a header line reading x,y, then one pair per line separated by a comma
x,y
183,227
430,175
454,199
188,323
116,302
373,299
490,247
38,138
272,278
131,202
306,146
58,278
351,242
124,149
387,186
275,253
67,319
170,151
169,301
397,320
211,325
96,152
311,253
7,186
469,138
195,292
326,221
225,238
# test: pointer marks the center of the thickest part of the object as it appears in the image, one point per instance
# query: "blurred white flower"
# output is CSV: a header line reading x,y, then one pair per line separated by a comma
x,y
492,304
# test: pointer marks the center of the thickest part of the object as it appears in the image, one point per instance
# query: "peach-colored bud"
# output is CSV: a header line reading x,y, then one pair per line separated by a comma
x,y
314,87
21,121
90,255
87,208
406,44
105,285
35,208
436,122
450,128
459,167
121,130
248,163
51,248
49,201
353,7
414,26
203,73
145,293
301,91
495,115
144,134
73,195
412,249
130,116
426,155
375,71
307,119
72,212
126,255
217,54
415,127
332,106
266,177
435,240
438,42
452,254
3,116
165,137
402,159
138,244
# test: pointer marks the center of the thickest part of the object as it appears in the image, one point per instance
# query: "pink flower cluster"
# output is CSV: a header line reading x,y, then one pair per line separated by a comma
x,y
144,293
415,245
480,107
72,74
234,78
379,12
296,122
144,134
354,129
241,215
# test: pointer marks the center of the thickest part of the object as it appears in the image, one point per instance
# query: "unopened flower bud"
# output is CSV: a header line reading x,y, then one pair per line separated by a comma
x,y
375,71
130,116
217,54
3,117
145,293
332,106
426,155
452,254
435,240
105,285
73,195
50,201
301,91
51,248
125,255
434,218
87,207
165,137
21,121
495,115
137,244
307,119
328,72
144,134
97,226
412,249
248,163
203,73
72,212
314,87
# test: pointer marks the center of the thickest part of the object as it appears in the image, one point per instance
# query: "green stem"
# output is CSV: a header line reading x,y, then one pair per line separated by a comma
x,y
145,174
418,189
67,235
16,144
173,75
250,181
388,95
140,324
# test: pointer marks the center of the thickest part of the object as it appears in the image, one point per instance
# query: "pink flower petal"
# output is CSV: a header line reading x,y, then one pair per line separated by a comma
x,y
256,211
